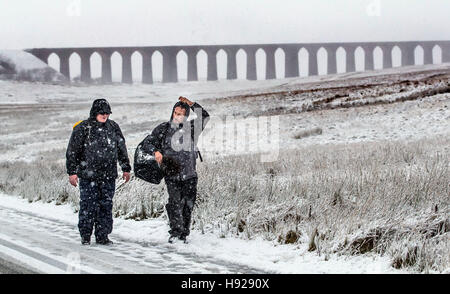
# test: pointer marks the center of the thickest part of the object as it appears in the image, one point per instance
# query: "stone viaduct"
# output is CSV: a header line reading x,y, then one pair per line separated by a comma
x,y
291,51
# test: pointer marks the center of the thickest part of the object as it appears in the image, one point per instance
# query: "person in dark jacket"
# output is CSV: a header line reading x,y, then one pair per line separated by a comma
x,y
95,146
174,146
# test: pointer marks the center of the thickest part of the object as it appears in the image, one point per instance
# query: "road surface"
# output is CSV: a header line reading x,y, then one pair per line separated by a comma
x,y
33,244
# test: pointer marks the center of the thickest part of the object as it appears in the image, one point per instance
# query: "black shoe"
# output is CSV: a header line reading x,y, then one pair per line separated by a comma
x,y
183,238
172,239
86,240
105,241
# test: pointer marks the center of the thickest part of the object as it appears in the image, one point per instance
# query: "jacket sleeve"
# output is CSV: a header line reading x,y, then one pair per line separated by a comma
x,y
153,142
122,153
199,123
74,150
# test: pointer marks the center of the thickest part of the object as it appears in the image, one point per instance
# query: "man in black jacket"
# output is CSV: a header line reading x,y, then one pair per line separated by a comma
x,y
176,142
94,148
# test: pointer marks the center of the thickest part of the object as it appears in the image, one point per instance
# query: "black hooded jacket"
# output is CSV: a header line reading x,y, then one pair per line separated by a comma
x,y
94,148
178,142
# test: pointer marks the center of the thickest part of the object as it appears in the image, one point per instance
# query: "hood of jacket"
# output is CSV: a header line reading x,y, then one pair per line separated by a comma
x,y
99,106
183,105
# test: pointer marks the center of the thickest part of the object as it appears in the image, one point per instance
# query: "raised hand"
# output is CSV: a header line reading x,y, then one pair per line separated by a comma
x,y
185,100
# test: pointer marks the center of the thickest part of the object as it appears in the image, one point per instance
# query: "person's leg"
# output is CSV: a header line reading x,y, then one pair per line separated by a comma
x,y
104,222
174,208
88,208
189,195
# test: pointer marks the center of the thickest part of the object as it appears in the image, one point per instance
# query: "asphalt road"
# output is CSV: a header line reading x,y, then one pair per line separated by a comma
x,y
9,266
31,243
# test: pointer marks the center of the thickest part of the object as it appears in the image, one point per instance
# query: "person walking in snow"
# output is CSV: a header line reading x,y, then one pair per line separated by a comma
x,y
174,146
95,146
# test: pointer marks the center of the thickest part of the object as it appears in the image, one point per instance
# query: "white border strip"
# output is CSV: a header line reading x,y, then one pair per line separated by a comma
x,y
39,264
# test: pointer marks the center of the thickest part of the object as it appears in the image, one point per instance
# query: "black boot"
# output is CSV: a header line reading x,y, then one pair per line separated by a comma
x,y
86,240
172,239
183,238
104,241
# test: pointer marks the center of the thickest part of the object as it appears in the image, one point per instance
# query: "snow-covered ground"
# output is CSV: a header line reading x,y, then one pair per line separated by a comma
x,y
24,66
36,122
22,60
141,247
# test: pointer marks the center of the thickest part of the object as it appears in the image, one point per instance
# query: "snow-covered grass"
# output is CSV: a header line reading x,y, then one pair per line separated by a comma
x,y
348,181
386,197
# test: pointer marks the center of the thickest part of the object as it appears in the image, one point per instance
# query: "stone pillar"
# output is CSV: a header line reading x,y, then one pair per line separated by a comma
x,y
147,71
212,64
270,63
106,66
312,61
291,62
350,65
192,65
251,63
387,55
331,59
127,74
64,65
408,57
445,52
369,63
231,63
427,54
170,73
85,66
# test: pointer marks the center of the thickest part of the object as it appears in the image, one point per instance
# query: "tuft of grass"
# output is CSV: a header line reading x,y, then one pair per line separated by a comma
x,y
308,133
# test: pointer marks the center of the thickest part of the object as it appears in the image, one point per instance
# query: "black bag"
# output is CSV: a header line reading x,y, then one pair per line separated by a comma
x,y
146,167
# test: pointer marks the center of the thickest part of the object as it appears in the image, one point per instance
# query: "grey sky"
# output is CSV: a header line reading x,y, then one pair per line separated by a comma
x,y
70,23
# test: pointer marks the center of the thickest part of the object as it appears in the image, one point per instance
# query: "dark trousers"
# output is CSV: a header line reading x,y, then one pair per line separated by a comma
x,y
182,195
96,201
